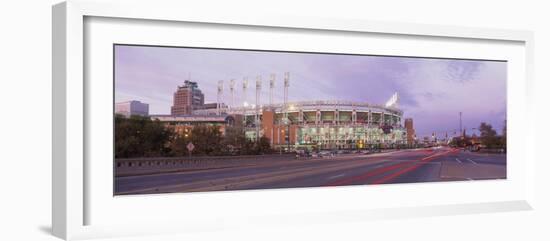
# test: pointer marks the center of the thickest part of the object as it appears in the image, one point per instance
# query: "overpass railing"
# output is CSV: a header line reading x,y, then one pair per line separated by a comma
x,y
144,166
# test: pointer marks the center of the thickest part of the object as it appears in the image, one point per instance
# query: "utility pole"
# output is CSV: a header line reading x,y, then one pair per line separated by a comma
x,y
460,122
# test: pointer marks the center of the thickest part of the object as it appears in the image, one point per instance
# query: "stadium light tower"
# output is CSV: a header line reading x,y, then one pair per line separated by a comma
x,y
245,86
287,84
232,90
257,115
220,93
271,87
287,122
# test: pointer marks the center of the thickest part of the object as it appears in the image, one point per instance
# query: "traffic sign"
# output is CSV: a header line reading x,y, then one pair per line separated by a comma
x,y
190,146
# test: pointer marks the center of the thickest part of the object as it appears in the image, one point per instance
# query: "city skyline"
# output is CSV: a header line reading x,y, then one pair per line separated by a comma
x,y
432,91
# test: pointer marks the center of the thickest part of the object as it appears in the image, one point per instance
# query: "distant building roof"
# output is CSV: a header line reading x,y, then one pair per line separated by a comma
x,y
191,118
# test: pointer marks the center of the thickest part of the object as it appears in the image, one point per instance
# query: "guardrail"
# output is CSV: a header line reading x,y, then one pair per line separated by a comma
x,y
144,166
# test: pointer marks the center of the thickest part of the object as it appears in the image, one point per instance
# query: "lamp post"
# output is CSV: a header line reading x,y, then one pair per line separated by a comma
x,y
288,137
280,146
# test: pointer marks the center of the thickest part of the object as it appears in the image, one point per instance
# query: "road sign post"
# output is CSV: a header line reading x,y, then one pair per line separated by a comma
x,y
190,147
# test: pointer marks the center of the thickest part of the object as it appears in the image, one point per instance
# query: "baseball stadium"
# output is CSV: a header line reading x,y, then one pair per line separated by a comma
x,y
292,125
322,124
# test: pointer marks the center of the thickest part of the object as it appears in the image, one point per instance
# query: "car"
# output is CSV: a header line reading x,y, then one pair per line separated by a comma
x,y
302,153
326,154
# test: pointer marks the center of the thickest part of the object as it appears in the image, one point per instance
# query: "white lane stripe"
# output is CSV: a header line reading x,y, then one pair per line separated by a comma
x,y
458,160
341,175
435,155
471,161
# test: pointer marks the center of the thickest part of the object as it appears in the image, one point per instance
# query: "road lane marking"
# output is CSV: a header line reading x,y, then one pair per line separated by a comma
x,y
471,161
341,175
368,174
385,169
249,179
259,178
410,168
458,160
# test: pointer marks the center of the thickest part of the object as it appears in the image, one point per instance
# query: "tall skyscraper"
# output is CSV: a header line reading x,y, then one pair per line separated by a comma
x,y
187,98
409,128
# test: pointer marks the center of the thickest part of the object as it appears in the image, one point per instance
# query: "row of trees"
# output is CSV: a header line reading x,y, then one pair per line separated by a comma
x,y
138,136
488,137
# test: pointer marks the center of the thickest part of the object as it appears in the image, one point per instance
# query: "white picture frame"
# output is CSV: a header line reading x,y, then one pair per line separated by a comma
x,y
71,186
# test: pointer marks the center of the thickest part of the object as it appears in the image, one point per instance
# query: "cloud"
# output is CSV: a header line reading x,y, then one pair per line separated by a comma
x,y
462,71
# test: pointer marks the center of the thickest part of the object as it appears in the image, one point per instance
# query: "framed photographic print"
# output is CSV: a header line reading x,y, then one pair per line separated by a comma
x,y
318,131
172,121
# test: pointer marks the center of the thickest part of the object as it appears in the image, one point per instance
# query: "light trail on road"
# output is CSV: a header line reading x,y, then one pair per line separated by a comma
x,y
403,166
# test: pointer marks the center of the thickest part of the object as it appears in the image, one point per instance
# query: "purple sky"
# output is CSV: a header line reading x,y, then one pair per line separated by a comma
x,y
432,91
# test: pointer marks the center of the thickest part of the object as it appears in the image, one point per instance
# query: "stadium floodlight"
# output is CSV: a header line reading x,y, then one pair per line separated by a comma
x,y
220,93
271,87
232,90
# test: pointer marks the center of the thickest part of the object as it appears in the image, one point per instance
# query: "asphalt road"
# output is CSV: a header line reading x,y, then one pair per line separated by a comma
x,y
404,166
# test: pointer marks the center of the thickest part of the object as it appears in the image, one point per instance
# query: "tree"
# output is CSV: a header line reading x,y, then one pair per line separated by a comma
x,y
263,146
142,137
488,135
462,141
139,136
234,141
207,140
178,145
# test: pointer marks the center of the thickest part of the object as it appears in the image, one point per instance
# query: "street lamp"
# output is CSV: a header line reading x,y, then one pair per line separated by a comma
x,y
288,138
280,146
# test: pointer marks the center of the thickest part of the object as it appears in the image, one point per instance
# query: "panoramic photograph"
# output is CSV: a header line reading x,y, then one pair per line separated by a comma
x,y
190,119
